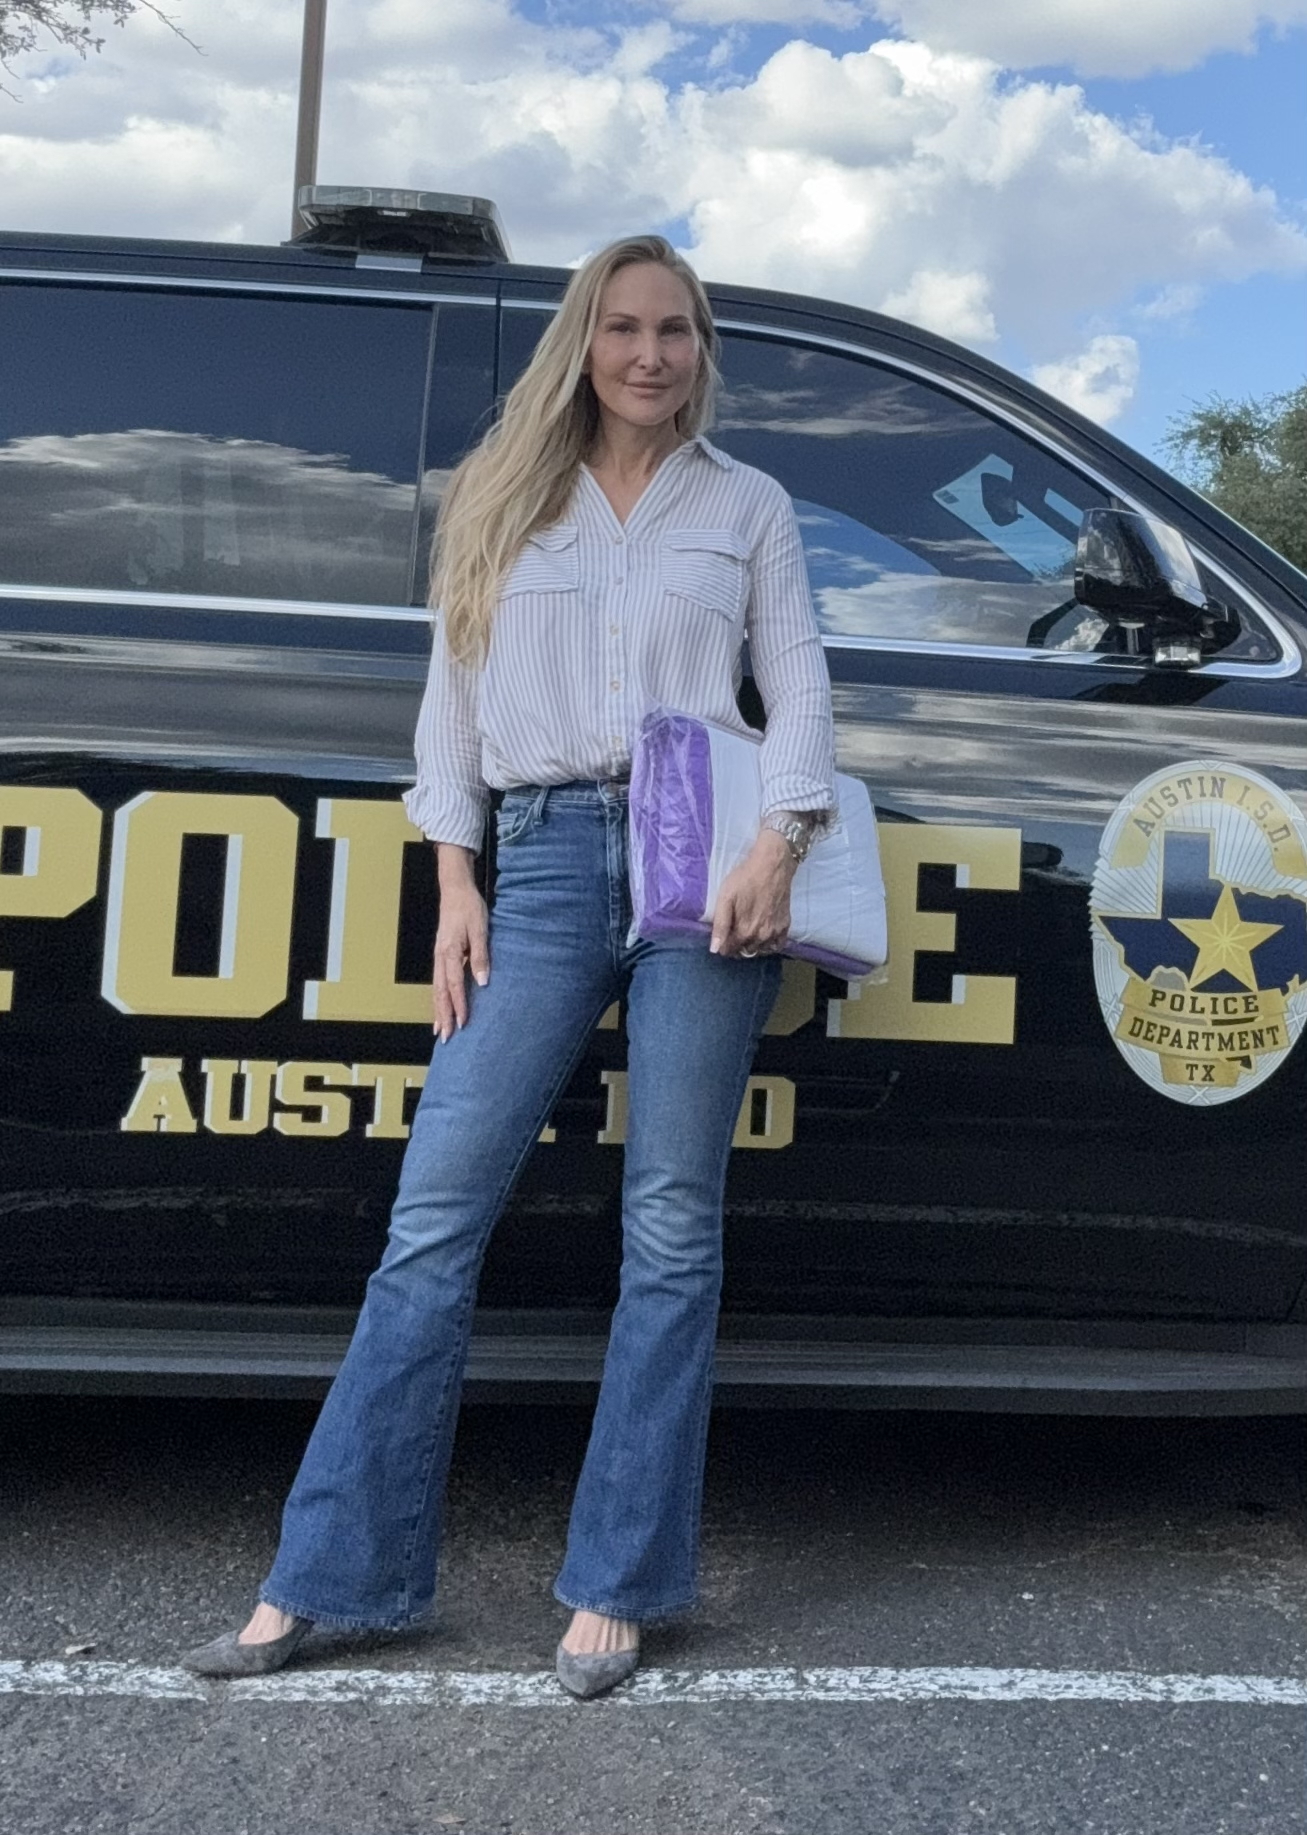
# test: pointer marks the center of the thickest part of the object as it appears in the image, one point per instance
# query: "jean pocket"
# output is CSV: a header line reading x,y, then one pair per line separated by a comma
x,y
707,566
516,816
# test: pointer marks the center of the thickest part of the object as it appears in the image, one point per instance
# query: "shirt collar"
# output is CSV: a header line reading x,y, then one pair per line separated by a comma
x,y
712,452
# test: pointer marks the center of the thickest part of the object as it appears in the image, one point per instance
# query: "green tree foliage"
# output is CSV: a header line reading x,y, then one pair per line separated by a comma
x,y
1250,458
68,25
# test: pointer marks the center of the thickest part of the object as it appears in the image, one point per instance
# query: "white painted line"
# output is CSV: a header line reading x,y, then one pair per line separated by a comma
x,y
657,1687
98,1679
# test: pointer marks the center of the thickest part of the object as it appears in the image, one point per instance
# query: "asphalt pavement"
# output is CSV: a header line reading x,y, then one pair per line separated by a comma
x,y
911,1625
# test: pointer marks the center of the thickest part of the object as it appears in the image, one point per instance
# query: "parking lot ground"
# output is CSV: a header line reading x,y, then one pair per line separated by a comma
x,y
911,1625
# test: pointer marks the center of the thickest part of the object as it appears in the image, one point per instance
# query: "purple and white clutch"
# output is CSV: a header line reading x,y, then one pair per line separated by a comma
x,y
696,800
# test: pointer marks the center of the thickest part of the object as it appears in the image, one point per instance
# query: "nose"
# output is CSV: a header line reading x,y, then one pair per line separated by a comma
x,y
648,351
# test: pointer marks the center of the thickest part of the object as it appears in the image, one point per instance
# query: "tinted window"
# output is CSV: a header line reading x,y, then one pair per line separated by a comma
x,y
521,328
923,519
462,407
209,444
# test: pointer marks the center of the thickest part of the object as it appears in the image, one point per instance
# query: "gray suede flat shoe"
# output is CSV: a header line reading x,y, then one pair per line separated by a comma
x,y
227,1656
586,1677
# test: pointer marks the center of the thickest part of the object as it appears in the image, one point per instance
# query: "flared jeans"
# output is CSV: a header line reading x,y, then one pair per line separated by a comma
x,y
361,1528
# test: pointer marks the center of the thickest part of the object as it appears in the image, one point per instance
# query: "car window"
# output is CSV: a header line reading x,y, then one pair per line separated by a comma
x,y
462,407
210,444
923,519
521,327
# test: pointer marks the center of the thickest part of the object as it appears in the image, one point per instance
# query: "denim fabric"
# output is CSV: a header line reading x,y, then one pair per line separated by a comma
x,y
361,1527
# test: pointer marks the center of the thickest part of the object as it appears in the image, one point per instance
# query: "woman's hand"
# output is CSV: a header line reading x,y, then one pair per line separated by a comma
x,y
462,939
752,917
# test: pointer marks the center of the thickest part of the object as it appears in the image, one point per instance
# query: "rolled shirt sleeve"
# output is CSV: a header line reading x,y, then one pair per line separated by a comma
x,y
789,666
449,800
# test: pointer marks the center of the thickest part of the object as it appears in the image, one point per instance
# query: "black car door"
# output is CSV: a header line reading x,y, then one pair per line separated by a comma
x,y
215,921
968,1138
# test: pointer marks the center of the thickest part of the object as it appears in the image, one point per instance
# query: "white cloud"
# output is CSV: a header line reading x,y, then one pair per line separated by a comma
x,y
1094,37
1005,206
955,305
855,110
899,177
1098,380
843,14
1173,302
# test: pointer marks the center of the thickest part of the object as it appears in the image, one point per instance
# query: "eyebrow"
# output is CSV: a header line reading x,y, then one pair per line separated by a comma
x,y
631,318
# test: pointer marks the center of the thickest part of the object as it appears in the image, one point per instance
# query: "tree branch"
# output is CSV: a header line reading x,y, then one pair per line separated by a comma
x,y
70,25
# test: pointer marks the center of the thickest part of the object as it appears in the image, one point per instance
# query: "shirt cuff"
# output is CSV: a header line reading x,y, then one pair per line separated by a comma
x,y
455,817
800,798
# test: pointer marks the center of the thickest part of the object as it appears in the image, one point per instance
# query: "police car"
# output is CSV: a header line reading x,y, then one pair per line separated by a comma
x,y
1052,1160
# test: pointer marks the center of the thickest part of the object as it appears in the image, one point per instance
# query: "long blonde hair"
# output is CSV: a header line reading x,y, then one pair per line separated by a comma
x,y
521,476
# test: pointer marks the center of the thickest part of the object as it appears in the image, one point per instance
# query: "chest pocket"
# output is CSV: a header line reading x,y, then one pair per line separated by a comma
x,y
708,566
549,563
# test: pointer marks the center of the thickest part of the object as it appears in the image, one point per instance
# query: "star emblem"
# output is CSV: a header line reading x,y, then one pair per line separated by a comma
x,y
1225,941
1208,931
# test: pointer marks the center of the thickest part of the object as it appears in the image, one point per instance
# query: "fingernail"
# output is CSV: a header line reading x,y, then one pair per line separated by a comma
x,y
482,979
714,948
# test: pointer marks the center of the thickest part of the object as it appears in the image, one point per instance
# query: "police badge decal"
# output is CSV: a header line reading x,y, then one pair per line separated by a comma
x,y
1199,918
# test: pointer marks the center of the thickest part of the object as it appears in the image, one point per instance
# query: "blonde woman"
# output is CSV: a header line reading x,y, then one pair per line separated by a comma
x,y
595,555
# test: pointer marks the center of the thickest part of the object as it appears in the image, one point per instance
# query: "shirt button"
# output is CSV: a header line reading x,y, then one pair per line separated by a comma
x,y
619,539
613,629
614,684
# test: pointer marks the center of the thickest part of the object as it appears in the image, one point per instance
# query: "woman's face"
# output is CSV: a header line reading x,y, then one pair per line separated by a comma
x,y
645,353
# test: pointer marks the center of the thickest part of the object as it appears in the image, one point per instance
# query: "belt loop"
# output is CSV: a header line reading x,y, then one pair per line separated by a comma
x,y
538,806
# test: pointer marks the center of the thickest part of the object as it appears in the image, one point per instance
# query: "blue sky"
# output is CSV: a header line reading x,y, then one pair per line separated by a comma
x,y
1251,338
1109,195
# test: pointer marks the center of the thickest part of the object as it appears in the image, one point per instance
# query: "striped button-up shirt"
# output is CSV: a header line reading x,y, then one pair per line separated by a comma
x,y
598,621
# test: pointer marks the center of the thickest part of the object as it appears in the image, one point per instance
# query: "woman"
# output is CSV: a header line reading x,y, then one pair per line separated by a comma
x,y
595,555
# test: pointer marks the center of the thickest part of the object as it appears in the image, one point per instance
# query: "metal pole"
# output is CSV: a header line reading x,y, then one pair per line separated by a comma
x,y
306,132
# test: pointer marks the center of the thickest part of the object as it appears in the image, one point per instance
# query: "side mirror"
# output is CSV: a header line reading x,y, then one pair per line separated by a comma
x,y
1138,571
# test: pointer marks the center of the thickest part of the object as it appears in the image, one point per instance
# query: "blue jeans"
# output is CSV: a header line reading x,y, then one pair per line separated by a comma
x,y
361,1528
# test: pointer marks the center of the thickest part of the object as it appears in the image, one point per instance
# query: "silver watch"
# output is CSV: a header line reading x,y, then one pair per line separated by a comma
x,y
795,831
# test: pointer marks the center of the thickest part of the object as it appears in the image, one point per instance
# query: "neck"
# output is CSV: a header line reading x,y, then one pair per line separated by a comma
x,y
629,452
